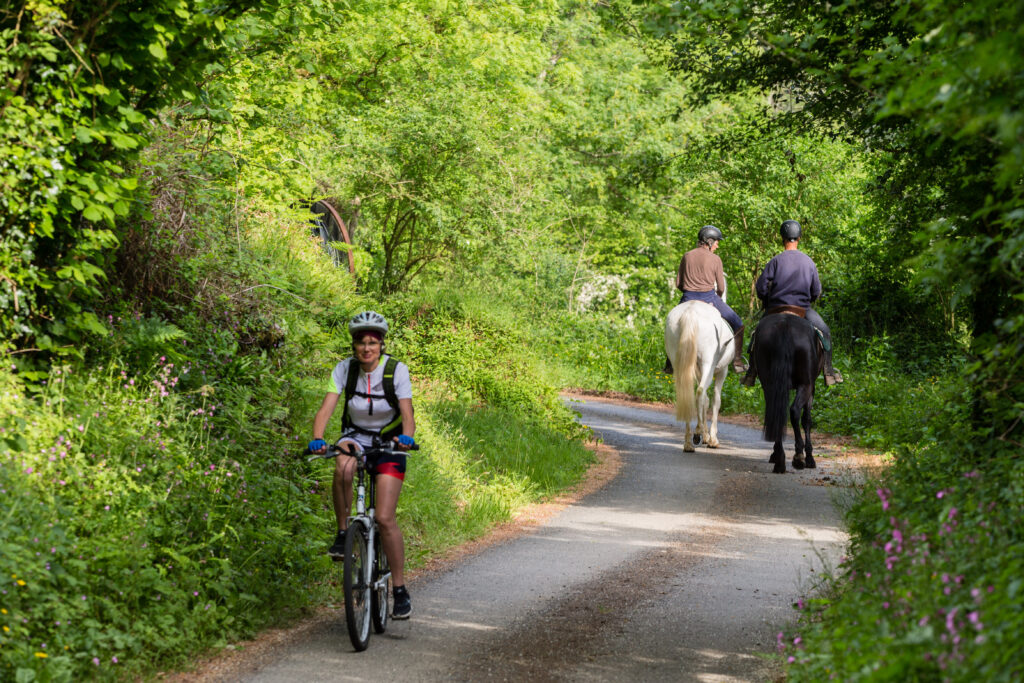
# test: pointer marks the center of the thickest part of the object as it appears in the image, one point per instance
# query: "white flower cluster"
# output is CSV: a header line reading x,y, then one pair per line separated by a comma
x,y
602,288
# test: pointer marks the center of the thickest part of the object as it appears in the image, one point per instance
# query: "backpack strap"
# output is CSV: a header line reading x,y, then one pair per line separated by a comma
x,y
393,428
350,390
389,383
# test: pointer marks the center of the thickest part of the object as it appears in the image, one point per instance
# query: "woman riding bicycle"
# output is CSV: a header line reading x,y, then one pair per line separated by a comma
x,y
372,389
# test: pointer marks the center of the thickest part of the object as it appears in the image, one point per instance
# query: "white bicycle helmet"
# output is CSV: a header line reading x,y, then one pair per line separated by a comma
x,y
368,320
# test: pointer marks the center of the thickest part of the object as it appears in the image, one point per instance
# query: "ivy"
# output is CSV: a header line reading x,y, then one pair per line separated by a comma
x,y
82,82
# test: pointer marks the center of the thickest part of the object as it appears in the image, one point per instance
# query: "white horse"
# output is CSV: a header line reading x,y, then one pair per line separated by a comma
x,y
699,342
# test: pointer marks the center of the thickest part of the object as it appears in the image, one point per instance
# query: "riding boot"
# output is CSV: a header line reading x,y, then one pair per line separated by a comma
x,y
738,364
750,379
832,375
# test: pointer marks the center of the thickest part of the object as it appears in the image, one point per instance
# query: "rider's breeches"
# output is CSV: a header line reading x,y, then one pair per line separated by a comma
x,y
815,319
735,322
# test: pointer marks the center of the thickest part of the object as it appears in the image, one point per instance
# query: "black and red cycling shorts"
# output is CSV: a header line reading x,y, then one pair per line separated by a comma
x,y
390,465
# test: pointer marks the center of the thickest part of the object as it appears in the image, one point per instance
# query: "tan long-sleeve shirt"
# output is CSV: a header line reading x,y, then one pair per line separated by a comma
x,y
700,271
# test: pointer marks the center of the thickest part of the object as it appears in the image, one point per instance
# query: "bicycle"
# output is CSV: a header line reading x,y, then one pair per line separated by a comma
x,y
366,576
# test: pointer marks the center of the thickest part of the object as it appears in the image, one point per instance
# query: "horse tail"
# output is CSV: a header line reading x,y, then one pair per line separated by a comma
x,y
779,365
685,366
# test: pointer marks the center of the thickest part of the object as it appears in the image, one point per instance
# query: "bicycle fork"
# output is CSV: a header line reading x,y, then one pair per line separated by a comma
x,y
368,518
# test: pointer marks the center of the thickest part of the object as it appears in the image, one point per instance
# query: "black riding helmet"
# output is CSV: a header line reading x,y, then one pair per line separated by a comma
x,y
790,231
708,233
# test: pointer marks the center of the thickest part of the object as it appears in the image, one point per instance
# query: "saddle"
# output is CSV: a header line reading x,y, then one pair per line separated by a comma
x,y
792,310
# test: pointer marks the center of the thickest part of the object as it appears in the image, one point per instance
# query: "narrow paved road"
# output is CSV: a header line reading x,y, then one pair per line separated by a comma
x,y
682,568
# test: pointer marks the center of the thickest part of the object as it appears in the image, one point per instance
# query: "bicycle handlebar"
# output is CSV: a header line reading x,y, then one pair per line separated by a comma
x,y
334,451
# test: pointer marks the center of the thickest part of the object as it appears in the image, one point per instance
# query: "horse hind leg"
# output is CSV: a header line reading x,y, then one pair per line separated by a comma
x,y
688,442
702,415
716,405
808,450
796,410
779,458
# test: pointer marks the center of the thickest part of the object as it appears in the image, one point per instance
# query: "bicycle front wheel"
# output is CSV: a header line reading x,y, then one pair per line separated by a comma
x,y
379,606
357,587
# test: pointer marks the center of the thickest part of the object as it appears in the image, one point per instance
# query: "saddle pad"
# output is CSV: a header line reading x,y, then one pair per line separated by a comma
x,y
825,344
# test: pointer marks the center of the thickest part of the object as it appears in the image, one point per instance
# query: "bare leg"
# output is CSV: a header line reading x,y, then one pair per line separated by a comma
x,y
388,488
341,489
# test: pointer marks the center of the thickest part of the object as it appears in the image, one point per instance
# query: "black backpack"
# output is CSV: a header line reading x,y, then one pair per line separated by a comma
x,y
393,428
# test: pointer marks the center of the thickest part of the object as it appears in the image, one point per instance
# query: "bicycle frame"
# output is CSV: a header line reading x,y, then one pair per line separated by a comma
x,y
368,517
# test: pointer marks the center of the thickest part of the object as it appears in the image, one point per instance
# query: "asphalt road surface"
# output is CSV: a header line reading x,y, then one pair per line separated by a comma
x,y
682,568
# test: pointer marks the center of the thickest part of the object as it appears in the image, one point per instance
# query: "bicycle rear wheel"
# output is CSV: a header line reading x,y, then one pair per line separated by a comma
x,y
379,606
357,587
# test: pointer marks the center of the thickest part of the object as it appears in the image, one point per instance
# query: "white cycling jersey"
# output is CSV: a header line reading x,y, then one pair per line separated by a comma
x,y
371,410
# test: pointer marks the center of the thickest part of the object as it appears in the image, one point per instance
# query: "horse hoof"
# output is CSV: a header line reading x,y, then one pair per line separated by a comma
x,y
713,444
779,469
810,464
688,448
798,464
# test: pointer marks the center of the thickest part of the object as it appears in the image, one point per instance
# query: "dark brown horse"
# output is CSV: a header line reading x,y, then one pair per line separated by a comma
x,y
788,358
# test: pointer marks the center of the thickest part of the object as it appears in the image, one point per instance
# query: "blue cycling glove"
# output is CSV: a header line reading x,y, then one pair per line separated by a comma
x,y
406,440
317,444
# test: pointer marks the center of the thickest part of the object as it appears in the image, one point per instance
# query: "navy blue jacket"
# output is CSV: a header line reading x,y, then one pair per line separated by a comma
x,y
789,279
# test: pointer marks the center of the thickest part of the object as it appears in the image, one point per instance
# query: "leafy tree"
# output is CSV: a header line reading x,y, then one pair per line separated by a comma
x,y
82,81
413,113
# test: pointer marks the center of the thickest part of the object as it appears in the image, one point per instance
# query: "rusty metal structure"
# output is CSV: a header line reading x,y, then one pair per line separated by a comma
x,y
329,227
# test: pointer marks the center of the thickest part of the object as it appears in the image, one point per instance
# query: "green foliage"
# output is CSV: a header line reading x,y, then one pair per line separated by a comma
x,y
484,464
932,588
165,489
81,81
393,110
520,180
145,524
936,92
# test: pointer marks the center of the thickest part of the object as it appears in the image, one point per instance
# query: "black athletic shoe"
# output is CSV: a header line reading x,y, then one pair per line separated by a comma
x,y
403,605
337,551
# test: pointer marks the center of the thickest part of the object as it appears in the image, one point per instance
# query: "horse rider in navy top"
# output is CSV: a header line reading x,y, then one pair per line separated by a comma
x,y
790,282
701,278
